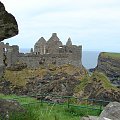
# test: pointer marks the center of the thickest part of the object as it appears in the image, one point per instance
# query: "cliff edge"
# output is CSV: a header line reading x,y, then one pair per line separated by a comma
x,y
97,86
109,64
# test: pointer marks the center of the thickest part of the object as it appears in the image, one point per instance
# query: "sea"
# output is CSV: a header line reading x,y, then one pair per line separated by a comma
x,y
89,58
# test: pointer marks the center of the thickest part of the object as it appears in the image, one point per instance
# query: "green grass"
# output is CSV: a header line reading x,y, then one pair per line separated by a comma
x,y
46,111
21,99
113,55
82,84
20,78
105,81
81,111
99,77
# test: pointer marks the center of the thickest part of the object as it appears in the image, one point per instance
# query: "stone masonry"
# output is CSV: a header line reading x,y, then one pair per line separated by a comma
x,y
44,54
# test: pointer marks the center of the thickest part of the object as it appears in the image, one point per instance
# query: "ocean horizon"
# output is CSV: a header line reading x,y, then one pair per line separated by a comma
x,y
89,58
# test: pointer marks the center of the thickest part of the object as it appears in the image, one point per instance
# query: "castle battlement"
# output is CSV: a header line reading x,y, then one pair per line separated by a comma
x,y
44,53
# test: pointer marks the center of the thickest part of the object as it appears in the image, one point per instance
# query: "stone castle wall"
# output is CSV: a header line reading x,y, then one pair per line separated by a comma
x,y
45,53
64,55
8,54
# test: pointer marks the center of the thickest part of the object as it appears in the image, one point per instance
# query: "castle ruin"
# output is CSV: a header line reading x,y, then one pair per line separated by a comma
x,y
44,53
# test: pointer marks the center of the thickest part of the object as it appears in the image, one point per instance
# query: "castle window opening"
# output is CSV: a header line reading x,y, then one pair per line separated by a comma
x,y
60,47
5,49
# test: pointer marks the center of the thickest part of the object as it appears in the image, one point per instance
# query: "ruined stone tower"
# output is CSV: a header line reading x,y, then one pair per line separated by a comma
x,y
2,50
53,44
12,55
54,52
69,42
44,53
8,54
40,46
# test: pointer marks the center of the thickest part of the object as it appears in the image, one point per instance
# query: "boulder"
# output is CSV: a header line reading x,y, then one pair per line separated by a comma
x,y
8,24
89,118
111,112
8,107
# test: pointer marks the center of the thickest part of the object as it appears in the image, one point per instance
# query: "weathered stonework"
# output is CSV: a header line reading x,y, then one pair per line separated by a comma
x,y
44,54
8,24
52,52
9,54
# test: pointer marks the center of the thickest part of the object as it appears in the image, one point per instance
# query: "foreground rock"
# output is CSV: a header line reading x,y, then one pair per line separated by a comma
x,y
109,64
8,107
89,118
8,24
110,112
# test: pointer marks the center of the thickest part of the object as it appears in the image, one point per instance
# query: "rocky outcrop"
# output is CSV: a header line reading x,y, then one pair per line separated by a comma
x,y
59,84
110,112
52,80
89,118
8,107
98,87
8,24
109,64
8,28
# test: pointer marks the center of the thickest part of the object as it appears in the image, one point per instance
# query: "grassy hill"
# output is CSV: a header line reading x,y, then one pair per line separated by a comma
x,y
21,77
109,64
111,54
97,86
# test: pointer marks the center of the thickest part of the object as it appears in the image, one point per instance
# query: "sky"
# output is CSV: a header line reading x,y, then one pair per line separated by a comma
x,y
94,24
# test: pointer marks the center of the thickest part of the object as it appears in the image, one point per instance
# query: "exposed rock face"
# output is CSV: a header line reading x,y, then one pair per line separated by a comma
x,y
8,24
8,107
109,64
53,80
89,118
99,87
59,84
111,111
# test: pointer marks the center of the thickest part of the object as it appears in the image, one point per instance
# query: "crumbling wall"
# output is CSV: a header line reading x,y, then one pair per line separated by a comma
x,y
72,57
12,55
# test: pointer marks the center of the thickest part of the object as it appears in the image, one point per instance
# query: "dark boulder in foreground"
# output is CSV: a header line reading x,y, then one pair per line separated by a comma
x,y
8,107
8,24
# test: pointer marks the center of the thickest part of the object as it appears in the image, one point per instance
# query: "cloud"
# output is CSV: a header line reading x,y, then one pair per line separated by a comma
x,y
88,22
